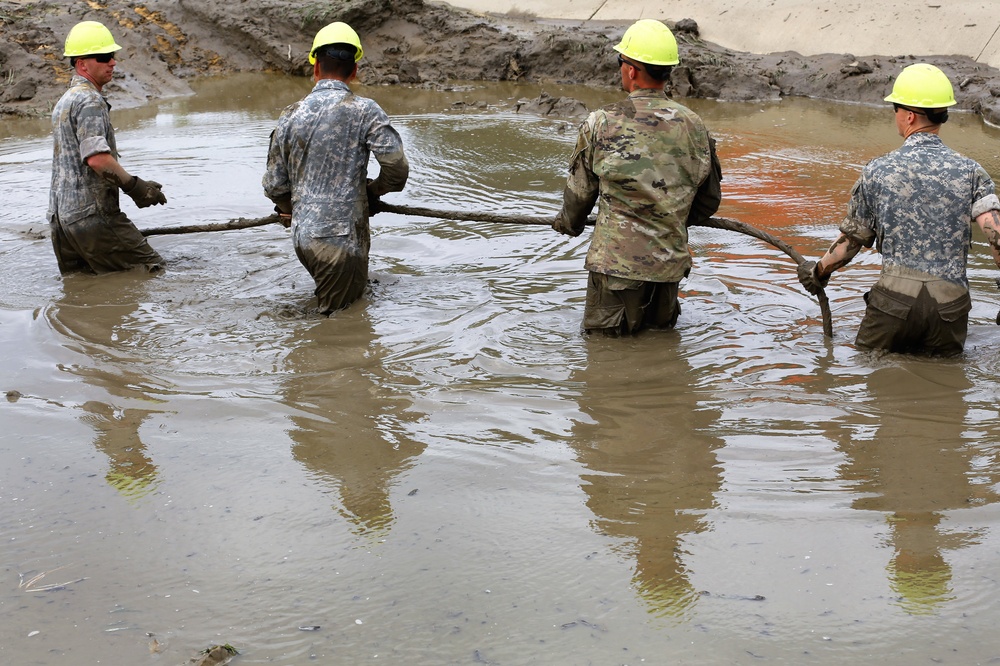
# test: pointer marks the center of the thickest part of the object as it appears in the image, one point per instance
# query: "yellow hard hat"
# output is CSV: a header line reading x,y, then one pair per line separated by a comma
x,y
922,86
89,38
649,41
336,33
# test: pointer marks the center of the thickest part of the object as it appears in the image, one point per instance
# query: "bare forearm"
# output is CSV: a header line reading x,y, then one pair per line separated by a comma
x,y
108,168
843,250
989,222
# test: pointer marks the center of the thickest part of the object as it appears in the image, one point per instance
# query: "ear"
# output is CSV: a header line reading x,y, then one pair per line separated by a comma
x,y
316,72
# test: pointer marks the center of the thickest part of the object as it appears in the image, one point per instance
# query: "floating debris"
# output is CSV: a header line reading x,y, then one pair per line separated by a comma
x,y
216,655
30,585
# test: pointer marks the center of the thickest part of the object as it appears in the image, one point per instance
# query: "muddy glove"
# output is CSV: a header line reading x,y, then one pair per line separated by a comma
x,y
374,202
145,192
283,207
810,279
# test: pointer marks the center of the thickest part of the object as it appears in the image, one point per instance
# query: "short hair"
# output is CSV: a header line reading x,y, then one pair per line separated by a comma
x,y
659,72
336,59
937,116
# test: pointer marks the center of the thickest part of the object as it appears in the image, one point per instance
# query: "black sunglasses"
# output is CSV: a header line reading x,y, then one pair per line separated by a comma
x,y
897,107
623,61
103,58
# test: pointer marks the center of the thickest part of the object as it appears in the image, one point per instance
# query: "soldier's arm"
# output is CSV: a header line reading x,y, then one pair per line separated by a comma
x,y
708,198
394,169
582,188
989,222
108,168
843,250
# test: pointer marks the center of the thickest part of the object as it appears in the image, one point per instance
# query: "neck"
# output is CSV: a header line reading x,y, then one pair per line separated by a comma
x,y
82,72
926,129
644,83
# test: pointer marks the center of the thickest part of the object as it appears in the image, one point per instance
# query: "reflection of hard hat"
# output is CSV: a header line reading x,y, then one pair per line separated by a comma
x,y
649,41
89,38
336,33
131,487
922,86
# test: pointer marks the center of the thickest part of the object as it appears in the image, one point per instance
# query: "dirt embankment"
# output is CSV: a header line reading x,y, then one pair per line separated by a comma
x,y
410,42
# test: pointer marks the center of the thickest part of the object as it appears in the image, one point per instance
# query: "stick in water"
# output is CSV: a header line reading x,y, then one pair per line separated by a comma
x,y
238,223
725,223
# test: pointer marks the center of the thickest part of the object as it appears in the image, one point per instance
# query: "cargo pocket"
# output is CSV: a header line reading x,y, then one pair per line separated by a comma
x,y
890,303
956,309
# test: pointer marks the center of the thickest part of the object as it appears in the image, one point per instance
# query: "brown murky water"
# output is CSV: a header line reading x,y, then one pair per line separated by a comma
x,y
449,472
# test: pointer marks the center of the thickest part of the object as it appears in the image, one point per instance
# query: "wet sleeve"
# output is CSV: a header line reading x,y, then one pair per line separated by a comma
x,y
92,129
708,198
277,185
984,192
386,145
860,221
582,185
394,169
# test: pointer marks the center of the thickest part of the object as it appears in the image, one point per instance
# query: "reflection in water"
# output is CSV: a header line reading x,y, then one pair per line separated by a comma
x,y
476,335
916,467
349,425
99,328
653,470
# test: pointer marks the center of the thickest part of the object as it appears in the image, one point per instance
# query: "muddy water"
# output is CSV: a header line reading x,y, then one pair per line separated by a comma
x,y
449,472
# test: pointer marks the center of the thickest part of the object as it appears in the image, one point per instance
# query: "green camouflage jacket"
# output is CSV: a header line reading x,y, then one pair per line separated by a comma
x,y
649,163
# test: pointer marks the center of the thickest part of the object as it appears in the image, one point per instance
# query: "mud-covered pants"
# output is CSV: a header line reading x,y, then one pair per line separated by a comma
x,y
340,271
916,325
618,306
101,245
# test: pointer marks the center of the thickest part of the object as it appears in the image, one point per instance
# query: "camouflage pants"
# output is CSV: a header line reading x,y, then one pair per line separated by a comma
x,y
101,245
906,324
341,274
617,306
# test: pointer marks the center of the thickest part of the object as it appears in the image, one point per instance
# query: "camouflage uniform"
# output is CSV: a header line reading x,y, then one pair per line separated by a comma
x,y
650,164
917,204
89,230
319,157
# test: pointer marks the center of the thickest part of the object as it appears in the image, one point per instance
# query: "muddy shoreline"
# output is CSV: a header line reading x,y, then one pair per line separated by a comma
x,y
168,43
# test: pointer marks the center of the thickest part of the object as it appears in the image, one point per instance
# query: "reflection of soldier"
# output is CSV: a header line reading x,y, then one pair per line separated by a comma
x,y
650,478
116,426
916,468
131,472
359,445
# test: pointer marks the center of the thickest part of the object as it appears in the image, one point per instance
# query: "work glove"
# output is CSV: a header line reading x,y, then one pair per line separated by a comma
x,y
374,202
564,225
283,207
145,192
810,279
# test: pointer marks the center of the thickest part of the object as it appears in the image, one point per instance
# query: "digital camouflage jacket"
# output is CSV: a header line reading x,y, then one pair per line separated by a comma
x,y
917,204
319,155
81,128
